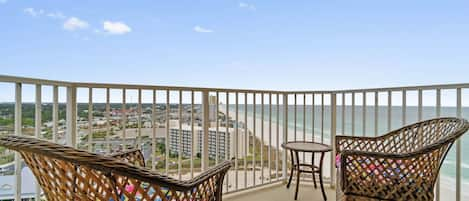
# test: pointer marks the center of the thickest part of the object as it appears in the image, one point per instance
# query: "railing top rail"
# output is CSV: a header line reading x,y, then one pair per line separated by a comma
x,y
384,89
16,79
171,88
27,80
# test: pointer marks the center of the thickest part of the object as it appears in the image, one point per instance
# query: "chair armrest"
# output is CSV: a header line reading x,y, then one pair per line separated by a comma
x,y
133,156
219,170
131,180
344,143
388,176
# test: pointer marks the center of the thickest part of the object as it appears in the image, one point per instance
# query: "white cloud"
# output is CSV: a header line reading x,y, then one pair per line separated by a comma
x,y
202,30
74,23
56,15
247,6
117,28
33,12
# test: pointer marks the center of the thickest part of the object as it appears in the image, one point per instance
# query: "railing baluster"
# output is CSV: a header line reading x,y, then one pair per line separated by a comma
x,y
343,114
458,146
254,139
285,135
124,120
353,113
153,136
269,160
139,120
313,110
37,127
90,119
108,120
180,135
236,138
404,106
262,138
376,112
18,131
192,134
333,134
294,115
304,123
420,104
364,114
228,136
217,136
277,126
322,117
168,110
438,114
389,109
246,139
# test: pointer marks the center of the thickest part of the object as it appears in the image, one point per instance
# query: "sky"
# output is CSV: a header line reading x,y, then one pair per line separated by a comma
x,y
254,44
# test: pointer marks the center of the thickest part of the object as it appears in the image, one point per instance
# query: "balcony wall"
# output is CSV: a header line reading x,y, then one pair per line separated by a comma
x,y
184,130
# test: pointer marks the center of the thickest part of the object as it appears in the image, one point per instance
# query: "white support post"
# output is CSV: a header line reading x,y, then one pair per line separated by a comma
x,y
55,113
38,123
71,136
206,125
18,131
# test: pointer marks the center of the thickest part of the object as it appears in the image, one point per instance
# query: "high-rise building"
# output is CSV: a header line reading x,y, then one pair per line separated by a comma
x,y
224,139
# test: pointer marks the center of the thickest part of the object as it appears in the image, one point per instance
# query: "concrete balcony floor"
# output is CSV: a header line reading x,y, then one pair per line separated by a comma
x,y
279,192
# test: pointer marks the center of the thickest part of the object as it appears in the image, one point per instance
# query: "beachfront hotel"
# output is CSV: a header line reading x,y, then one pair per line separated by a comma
x,y
225,142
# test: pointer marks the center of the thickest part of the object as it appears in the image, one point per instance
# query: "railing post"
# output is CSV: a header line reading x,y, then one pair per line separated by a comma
x,y
333,134
205,127
18,131
285,135
38,123
71,135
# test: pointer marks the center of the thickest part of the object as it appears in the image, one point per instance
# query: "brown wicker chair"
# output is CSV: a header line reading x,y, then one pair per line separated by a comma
x,y
401,165
65,173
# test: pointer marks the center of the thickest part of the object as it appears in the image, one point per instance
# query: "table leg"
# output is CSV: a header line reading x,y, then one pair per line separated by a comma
x,y
297,175
314,176
292,168
320,176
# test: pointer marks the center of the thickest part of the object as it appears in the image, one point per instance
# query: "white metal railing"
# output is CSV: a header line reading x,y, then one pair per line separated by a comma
x,y
189,129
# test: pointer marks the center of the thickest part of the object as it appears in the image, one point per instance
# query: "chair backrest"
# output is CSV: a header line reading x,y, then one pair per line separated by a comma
x,y
423,135
62,171
65,173
401,165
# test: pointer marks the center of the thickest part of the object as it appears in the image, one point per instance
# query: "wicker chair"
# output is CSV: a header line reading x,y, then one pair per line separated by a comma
x,y
401,165
65,173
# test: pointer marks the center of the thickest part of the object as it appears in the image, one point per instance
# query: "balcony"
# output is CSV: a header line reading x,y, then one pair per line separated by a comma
x,y
185,130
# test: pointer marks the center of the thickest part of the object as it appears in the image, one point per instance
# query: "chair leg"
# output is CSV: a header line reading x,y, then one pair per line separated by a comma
x,y
292,169
314,177
320,176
